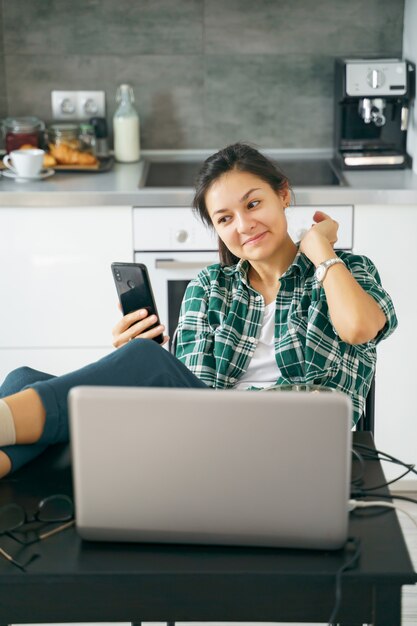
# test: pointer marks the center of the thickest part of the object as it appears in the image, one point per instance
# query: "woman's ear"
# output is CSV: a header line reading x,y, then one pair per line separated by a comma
x,y
286,197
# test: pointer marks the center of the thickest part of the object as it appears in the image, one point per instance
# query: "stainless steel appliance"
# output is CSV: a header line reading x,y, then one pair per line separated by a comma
x,y
372,101
175,246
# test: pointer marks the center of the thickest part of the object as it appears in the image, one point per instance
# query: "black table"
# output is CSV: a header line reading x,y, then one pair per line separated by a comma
x,y
77,581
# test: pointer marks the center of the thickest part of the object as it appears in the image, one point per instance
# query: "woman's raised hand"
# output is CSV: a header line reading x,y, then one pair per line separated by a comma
x,y
136,325
317,244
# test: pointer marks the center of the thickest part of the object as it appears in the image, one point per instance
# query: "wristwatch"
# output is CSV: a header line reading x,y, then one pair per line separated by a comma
x,y
321,270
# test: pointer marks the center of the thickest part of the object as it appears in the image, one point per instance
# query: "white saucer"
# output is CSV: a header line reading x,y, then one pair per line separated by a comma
x,y
46,173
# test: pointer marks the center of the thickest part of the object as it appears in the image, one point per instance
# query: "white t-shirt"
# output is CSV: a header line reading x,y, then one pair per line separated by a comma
x,y
263,370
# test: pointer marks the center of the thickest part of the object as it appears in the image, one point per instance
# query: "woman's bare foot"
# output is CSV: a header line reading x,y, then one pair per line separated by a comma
x,y
28,415
5,464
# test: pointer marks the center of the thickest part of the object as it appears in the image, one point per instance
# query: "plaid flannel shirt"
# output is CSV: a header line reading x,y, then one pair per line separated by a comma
x,y
221,317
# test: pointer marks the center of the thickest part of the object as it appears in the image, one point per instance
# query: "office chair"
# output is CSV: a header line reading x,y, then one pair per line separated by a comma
x,y
367,421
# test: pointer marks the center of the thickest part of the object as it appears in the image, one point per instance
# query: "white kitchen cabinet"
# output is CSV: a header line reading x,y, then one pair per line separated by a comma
x,y
387,234
58,300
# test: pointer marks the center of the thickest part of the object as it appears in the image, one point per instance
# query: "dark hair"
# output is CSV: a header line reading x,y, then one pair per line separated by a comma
x,y
243,158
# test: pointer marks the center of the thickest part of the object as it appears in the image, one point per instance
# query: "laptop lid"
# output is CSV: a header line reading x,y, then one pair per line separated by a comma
x,y
204,466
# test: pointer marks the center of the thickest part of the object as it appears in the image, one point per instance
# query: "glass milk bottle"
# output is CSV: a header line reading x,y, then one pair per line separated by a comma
x,y
126,127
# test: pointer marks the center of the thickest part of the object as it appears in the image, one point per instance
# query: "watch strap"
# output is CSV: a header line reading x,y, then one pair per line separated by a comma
x,y
321,273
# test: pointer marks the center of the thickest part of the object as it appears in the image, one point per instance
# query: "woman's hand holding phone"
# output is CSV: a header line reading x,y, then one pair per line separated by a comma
x,y
136,325
137,303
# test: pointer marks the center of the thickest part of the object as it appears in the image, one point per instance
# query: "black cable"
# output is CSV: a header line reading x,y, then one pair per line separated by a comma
x,y
360,493
389,457
358,480
349,564
389,482
375,511
375,455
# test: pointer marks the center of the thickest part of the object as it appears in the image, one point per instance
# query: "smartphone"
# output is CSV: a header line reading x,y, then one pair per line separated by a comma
x,y
134,290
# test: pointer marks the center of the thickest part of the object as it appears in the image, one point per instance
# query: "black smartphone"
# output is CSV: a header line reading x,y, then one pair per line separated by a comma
x,y
134,290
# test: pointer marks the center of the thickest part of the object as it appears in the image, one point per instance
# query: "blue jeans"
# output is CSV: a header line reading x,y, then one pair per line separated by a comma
x,y
139,363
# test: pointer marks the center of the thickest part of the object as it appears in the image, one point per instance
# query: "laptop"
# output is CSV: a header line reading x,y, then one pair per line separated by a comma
x,y
211,467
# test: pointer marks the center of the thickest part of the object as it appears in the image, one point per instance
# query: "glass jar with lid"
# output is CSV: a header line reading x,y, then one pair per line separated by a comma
x,y
23,131
64,134
87,138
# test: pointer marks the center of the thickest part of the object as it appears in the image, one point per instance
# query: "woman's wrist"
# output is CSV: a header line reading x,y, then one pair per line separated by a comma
x,y
318,249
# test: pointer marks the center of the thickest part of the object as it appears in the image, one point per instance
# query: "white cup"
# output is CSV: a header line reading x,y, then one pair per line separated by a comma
x,y
25,163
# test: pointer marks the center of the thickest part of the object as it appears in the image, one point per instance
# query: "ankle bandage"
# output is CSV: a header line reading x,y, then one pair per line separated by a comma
x,y
7,429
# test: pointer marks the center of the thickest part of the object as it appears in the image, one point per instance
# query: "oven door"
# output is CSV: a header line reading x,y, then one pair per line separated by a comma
x,y
170,273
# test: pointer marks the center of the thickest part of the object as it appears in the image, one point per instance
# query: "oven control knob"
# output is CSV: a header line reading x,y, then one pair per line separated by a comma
x,y
375,79
181,236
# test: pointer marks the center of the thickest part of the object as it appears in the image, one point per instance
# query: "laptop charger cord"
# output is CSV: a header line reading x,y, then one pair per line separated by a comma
x,y
367,453
372,454
361,504
354,545
359,491
353,550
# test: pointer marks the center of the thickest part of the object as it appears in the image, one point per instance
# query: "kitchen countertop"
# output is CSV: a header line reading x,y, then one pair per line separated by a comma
x,y
119,187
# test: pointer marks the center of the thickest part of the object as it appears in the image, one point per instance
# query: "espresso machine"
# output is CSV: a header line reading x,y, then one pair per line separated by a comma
x,y
372,103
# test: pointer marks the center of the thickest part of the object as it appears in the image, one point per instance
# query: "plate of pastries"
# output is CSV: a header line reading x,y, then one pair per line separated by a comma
x,y
62,157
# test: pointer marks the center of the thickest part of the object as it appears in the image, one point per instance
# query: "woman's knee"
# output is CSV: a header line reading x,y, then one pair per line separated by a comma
x,y
19,378
142,348
140,353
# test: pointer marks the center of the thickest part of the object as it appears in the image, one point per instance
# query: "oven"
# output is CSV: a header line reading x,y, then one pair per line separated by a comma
x,y
175,245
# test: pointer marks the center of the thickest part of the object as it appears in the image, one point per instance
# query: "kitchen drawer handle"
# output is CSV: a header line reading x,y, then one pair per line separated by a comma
x,y
171,264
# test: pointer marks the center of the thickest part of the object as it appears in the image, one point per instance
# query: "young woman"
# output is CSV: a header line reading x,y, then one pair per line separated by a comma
x,y
272,312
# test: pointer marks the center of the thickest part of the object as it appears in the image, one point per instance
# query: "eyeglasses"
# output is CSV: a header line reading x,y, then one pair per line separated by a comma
x,y
53,509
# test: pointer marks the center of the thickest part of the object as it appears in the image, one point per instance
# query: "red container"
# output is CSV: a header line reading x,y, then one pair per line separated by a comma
x,y
22,131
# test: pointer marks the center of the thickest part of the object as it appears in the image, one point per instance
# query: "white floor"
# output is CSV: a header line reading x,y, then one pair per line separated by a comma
x,y
409,607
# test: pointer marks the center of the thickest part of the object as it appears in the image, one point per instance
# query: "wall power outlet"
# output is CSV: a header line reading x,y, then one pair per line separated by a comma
x,y
78,105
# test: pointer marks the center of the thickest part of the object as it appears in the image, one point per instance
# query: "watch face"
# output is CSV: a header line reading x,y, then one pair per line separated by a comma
x,y
320,273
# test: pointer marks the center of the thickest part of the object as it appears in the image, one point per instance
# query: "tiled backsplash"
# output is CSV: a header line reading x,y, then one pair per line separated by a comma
x,y
3,102
204,72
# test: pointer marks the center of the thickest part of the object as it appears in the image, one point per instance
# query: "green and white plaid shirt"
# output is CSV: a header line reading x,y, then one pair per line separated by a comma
x,y
221,318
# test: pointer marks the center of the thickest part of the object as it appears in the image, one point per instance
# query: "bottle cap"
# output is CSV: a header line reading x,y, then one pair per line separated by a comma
x,y
123,91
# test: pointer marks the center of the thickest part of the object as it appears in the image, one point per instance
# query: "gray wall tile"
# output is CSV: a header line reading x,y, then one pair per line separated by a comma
x,y
3,98
3,101
3,111
256,98
333,27
168,90
1,28
204,72
103,27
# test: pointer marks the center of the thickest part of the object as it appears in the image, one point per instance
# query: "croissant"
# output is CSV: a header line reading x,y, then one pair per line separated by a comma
x,y
68,156
48,160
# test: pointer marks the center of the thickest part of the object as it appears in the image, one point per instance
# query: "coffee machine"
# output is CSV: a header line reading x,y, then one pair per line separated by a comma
x,y
372,102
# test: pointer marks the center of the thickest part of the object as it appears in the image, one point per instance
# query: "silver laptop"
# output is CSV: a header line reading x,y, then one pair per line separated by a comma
x,y
204,466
